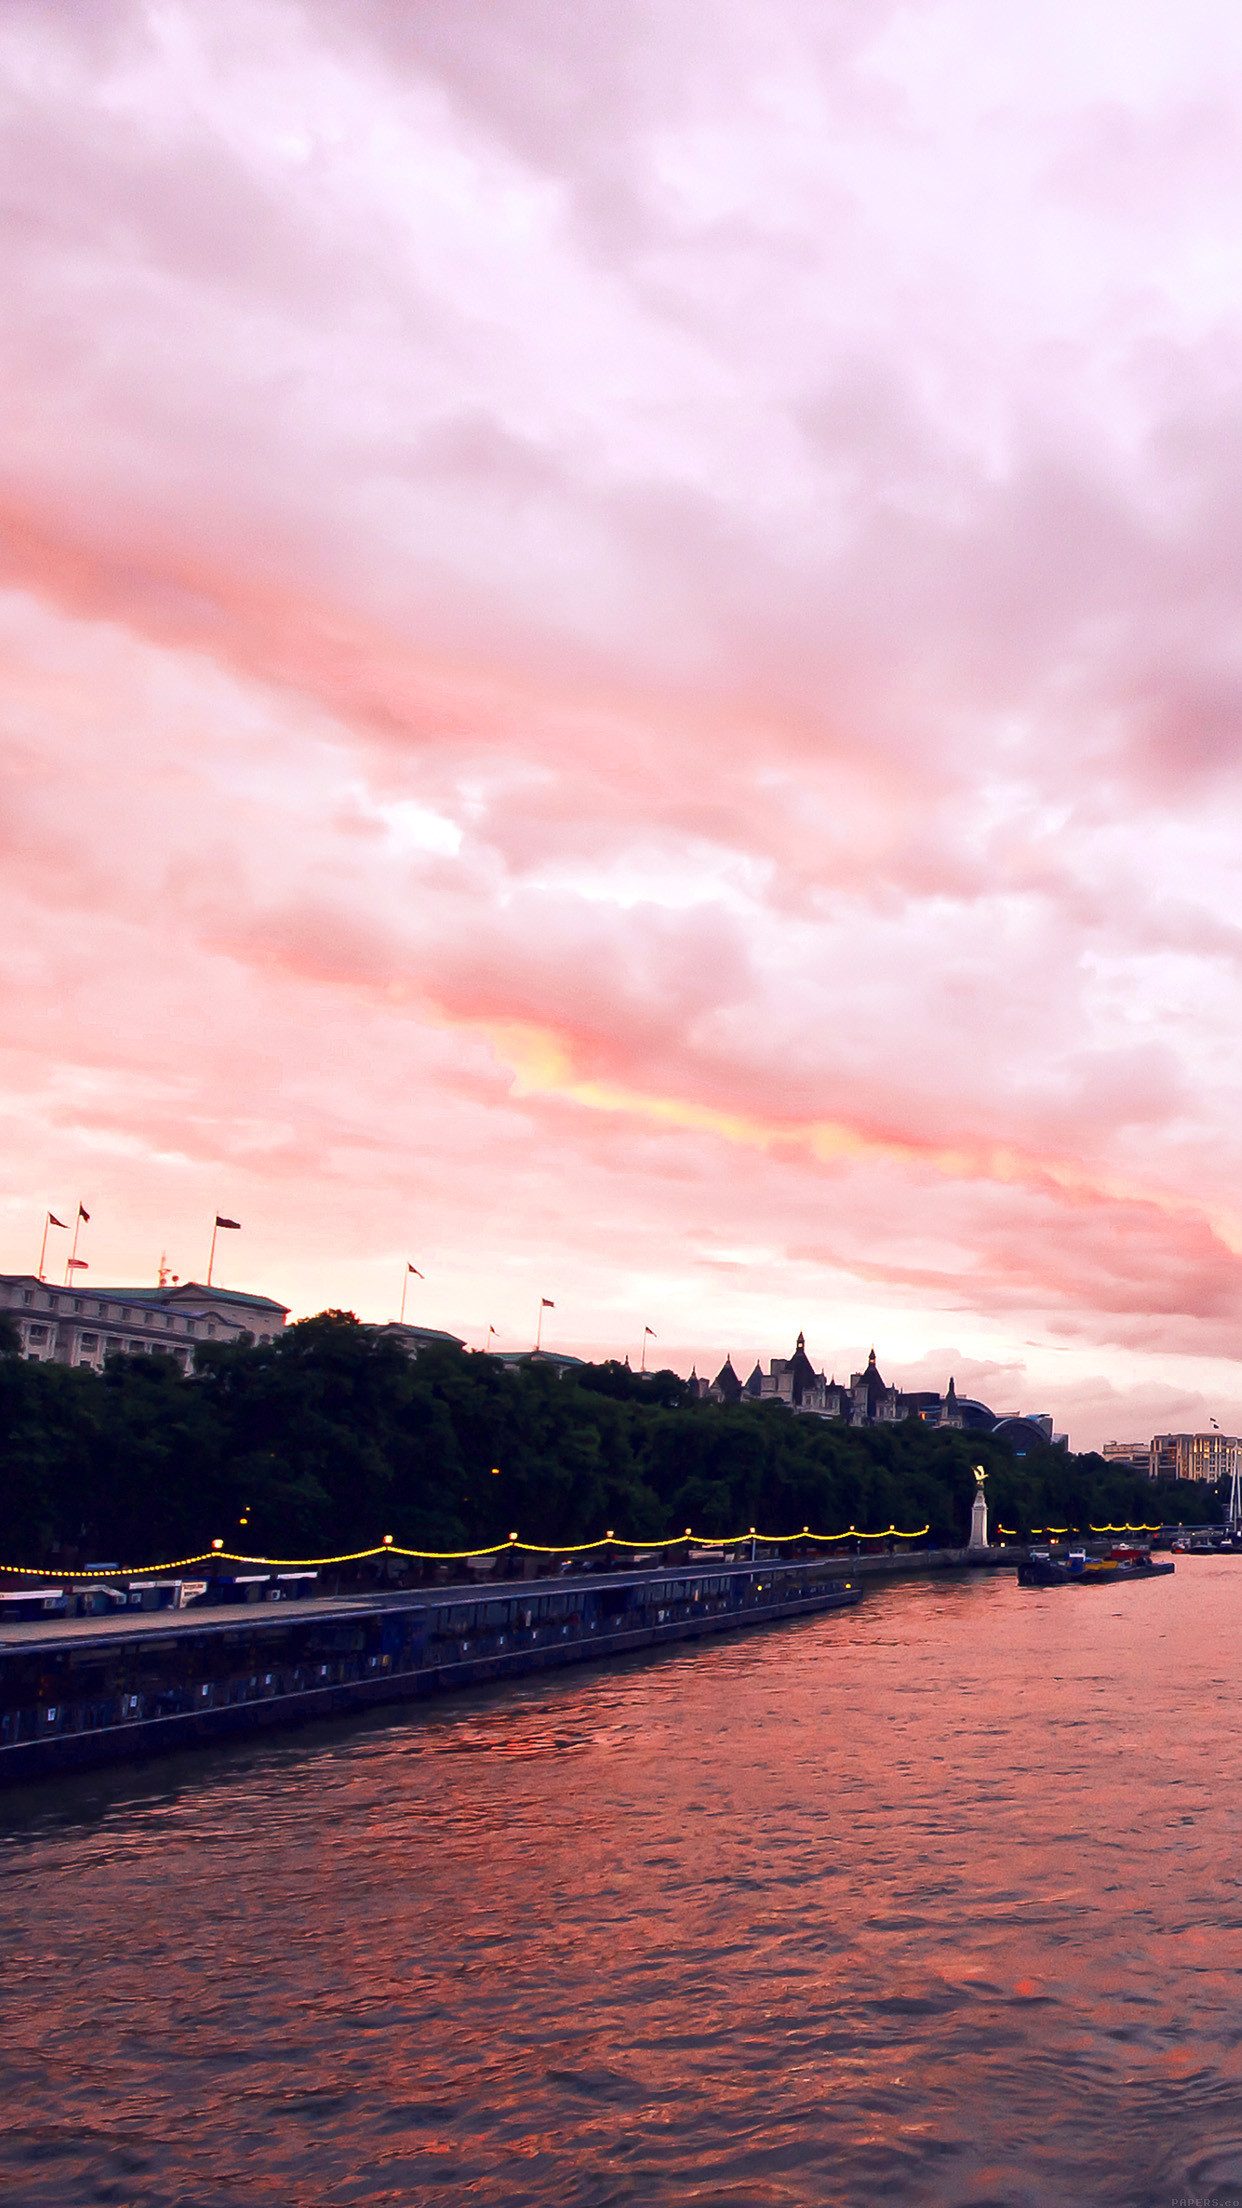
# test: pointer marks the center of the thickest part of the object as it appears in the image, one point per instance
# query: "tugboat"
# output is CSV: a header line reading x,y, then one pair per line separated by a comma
x,y
1042,1569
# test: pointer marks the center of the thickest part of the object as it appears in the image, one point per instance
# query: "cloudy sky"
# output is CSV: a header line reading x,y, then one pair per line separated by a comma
x,y
622,671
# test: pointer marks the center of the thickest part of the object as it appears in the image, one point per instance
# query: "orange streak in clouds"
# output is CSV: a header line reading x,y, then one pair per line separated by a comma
x,y
543,1066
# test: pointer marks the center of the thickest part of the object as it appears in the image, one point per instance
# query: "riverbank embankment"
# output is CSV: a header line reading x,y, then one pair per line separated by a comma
x,y
936,1560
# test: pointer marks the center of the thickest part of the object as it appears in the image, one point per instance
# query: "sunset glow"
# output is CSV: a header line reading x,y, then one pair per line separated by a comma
x,y
622,673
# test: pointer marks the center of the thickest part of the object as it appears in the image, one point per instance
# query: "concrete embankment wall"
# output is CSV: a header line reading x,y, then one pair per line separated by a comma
x,y
934,1560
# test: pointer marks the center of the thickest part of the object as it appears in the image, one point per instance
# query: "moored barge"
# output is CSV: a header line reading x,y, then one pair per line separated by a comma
x,y
94,1690
1041,1569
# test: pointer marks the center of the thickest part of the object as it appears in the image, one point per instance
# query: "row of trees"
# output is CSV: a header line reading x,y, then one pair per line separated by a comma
x,y
329,1437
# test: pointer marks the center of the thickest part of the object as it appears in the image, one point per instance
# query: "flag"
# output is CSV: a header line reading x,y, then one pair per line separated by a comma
x,y
413,1269
77,1265
650,1330
84,1214
547,1303
227,1222
53,1221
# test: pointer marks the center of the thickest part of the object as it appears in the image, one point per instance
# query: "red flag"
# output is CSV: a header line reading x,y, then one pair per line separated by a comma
x,y
227,1222
84,1214
413,1269
77,1265
547,1303
53,1221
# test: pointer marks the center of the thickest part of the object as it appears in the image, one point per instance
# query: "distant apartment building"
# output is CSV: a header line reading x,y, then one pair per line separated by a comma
x,y
1194,1456
68,1326
1132,1456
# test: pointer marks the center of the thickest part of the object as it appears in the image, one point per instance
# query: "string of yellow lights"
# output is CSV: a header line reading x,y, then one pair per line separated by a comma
x,y
218,1554
1090,1529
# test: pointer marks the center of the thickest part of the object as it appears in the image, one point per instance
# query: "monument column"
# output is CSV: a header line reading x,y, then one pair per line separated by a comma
x,y
979,1512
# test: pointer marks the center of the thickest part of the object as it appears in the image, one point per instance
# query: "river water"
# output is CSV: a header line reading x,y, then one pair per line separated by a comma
x,y
937,1901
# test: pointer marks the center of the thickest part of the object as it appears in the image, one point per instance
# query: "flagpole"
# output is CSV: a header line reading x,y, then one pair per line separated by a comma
x,y
77,1229
405,1282
212,1259
47,1220
539,1332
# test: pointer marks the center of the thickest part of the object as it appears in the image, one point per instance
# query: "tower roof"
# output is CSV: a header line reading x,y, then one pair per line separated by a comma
x,y
871,1385
804,1374
727,1381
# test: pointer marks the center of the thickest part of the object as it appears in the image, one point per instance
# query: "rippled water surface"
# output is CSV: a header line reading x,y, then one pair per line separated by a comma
x,y
933,1902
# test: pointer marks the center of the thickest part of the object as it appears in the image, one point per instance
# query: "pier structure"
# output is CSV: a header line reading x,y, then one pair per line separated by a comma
x,y
93,1690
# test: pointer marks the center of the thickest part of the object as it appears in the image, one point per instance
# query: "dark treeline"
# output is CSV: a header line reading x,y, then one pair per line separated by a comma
x,y
329,1438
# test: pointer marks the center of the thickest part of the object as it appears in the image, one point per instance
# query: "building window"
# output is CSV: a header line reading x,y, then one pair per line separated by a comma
x,y
125,1316
78,1304
28,1295
136,1348
170,1323
51,1303
89,1343
38,1333
190,1326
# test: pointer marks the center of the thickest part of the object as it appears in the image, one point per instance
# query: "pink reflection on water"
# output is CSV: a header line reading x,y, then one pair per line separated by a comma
x,y
936,1899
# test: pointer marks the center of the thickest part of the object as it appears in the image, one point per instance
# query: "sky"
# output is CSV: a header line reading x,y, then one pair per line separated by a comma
x,y
622,674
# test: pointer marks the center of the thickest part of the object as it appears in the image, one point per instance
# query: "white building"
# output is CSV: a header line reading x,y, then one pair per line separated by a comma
x,y
1133,1456
76,1326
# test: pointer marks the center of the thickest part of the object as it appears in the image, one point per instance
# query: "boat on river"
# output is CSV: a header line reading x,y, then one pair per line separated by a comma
x,y
1042,1569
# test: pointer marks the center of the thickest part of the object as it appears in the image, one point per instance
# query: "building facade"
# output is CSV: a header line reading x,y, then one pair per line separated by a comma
x,y
73,1326
412,1339
794,1381
1193,1456
1131,1456
868,1400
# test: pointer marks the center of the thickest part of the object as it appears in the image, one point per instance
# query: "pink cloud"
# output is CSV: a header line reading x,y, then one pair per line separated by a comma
x,y
619,651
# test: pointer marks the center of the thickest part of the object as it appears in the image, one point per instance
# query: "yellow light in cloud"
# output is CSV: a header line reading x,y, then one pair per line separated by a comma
x,y
543,1066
